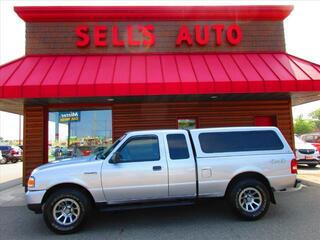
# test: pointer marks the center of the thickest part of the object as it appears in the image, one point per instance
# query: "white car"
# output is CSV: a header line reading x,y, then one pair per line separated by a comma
x,y
306,153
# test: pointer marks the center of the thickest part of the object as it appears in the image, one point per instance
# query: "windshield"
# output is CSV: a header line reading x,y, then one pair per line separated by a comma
x,y
298,141
104,154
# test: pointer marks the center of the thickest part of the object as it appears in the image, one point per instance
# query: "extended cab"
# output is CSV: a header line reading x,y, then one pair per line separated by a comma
x,y
166,167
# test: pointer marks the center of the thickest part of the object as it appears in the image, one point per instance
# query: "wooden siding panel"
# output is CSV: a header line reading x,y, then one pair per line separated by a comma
x,y
34,139
60,38
145,116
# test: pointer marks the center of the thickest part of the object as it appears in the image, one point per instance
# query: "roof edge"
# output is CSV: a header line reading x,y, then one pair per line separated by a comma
x,y
156,53
152,13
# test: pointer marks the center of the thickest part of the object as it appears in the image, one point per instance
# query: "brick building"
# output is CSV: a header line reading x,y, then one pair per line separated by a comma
x,y
92,73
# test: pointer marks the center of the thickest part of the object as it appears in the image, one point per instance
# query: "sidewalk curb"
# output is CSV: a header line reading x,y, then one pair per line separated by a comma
x,y
10,184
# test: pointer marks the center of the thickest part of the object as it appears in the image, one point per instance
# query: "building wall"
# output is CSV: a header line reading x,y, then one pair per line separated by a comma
x,y
60,37
143,116
35,150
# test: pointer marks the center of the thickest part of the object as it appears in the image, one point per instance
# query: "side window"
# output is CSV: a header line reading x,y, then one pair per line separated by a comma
x,y
216,142
139,149
178,148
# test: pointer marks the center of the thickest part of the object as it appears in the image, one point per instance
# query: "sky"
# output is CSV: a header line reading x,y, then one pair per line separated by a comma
x,y
302,34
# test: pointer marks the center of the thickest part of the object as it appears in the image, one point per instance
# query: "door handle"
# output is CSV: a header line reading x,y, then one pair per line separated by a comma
x,y
156,168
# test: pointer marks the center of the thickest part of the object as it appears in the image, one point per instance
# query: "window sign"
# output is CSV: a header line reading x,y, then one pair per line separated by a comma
x,y
187,123
265,121
72,116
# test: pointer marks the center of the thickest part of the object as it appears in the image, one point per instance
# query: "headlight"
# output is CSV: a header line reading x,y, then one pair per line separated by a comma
x,y
31,182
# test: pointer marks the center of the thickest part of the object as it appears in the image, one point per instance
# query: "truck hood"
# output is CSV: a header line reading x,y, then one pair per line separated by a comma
x,y
66,162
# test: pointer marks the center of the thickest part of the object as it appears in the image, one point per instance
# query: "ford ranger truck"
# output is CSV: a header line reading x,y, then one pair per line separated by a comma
x,y
163,168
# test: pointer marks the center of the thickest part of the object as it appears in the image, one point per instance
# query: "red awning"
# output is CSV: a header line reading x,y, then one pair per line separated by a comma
x,y
150,13
156,74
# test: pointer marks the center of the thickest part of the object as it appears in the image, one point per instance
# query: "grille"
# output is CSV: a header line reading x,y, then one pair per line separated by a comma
x,y
307,151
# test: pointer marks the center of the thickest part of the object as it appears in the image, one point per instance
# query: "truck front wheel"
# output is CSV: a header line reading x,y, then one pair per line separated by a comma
x,y
250,199
66,210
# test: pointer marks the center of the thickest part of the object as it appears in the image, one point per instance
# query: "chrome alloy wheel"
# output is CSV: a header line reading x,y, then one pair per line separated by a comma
x,y
250,199
66,211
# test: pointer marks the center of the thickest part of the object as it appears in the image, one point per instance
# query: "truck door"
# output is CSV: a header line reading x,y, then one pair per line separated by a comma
x,y
181,164
141,172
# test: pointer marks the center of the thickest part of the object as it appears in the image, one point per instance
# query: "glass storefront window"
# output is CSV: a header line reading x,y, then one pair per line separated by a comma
x,y
78,133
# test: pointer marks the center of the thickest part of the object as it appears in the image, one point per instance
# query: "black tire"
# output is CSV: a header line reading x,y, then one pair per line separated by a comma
x,y
76,195
14,160
254,187
4,160
312,165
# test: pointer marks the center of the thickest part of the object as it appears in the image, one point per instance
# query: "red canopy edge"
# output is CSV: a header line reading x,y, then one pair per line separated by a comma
x,y
60,76
153,13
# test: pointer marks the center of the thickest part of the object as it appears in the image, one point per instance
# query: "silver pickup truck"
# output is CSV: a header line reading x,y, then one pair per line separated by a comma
x,y
166,167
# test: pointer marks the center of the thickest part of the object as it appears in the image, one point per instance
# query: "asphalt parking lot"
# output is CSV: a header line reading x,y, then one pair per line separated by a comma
x,y
296,216
309,174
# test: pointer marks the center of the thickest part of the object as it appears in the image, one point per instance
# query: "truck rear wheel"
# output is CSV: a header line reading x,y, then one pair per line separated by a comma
x,y
250,199
66,210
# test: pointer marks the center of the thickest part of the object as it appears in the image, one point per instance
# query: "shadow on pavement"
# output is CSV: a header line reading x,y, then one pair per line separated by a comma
x,y
10,184
114,224
215,209
307,168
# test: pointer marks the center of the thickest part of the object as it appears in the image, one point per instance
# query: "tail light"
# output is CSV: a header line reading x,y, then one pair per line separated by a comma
x,y
13,152
294,166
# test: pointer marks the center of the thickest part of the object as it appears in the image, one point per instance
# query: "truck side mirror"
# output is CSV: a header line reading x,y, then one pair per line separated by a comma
x,y
115,158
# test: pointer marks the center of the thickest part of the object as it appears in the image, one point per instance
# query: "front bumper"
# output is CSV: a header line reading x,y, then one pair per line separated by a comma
x,y
36,208
34,200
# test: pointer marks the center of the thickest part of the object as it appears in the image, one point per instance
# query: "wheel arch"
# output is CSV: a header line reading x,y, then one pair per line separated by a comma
x,y
251,175
68,186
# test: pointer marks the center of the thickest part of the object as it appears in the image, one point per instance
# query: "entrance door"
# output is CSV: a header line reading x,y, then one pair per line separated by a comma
x,y
141,173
